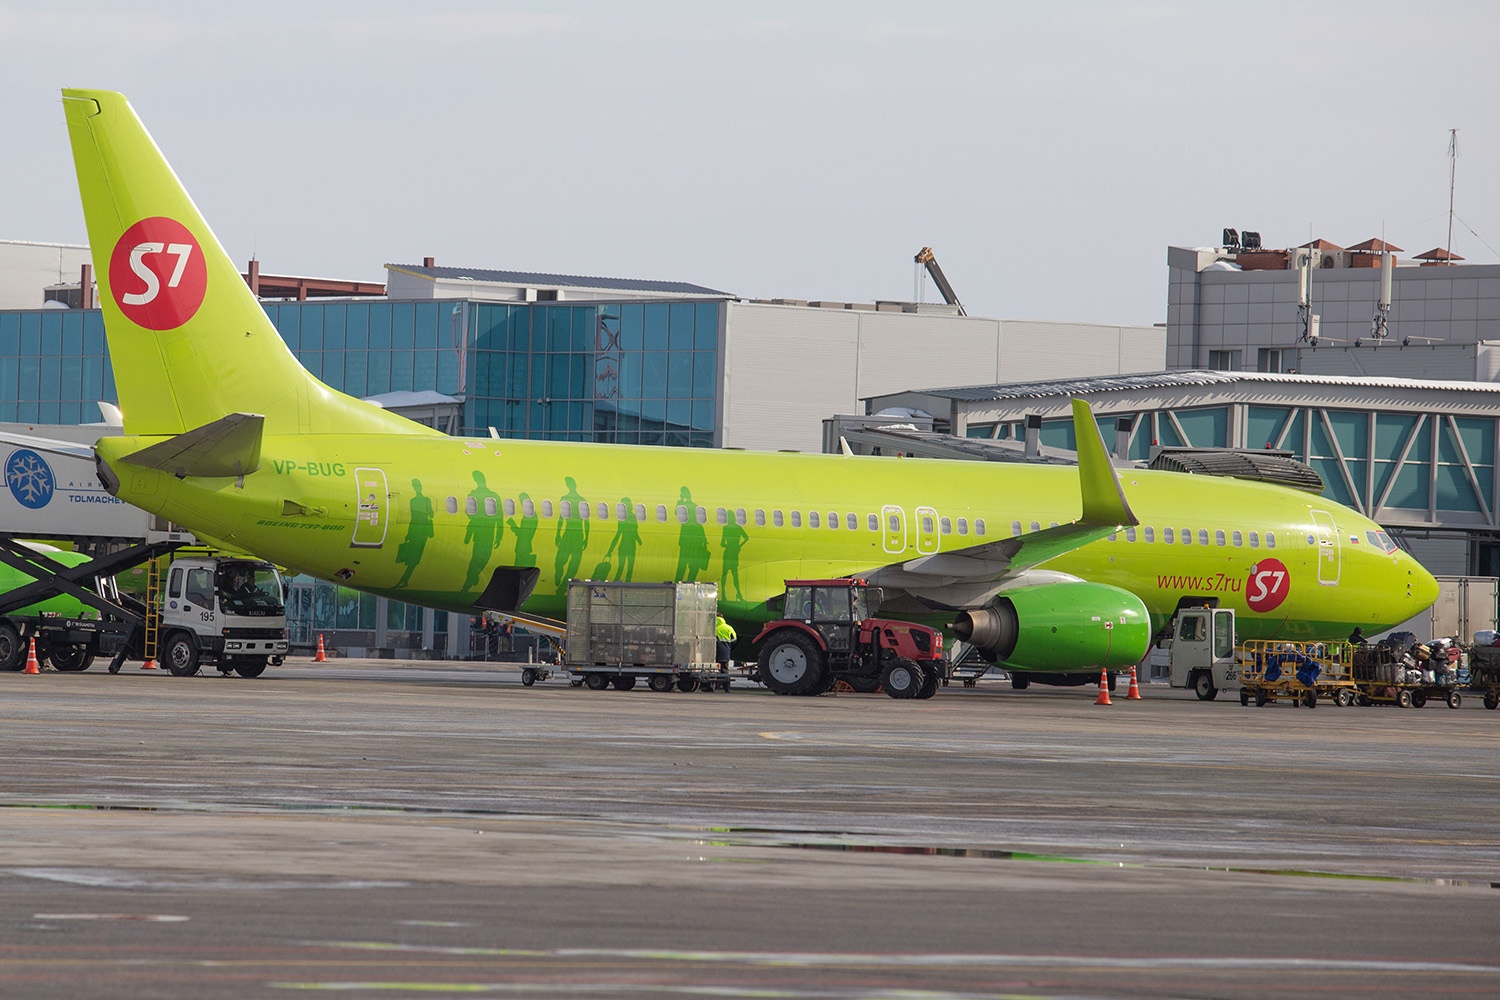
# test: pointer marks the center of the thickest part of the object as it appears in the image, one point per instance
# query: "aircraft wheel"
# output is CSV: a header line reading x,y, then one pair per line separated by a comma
x,y
1019,681
595,682
791,663
181,655
901,678
1203,686
250,668
932,679
12,650
528,676
71,659
659,682
1455,699
623,682
1244,696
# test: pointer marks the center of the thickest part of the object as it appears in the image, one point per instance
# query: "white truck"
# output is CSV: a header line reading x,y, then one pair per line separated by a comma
x,y
224,611
1202,652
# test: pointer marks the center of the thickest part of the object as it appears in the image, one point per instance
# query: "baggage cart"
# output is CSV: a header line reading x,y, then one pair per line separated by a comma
x,y
1302,673
1406,679
620,633
1484,673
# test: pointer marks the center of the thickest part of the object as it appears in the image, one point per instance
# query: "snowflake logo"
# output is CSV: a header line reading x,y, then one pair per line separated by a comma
x,y
30,478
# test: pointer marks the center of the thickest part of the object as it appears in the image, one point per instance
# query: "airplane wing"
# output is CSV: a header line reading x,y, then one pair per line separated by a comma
x,y
1105,511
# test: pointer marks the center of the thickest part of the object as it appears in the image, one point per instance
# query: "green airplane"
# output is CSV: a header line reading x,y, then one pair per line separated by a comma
x,y
1046,569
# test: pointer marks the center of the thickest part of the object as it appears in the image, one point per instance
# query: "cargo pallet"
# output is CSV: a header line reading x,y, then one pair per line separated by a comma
x,y
1300,672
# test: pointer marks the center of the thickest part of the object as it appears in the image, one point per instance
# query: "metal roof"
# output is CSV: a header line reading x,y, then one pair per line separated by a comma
x,y
534,279
1186,378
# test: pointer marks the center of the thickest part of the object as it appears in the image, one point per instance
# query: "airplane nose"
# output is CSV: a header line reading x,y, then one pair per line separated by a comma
x,y
1421,587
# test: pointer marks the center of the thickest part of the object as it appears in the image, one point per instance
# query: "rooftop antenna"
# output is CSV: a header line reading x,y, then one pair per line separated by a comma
x,y
1380,327
1452,175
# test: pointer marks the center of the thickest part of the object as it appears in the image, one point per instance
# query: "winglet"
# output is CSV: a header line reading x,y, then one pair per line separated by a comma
x,y
1103,497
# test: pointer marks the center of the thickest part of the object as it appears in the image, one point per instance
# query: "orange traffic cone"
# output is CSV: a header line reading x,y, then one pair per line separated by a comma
x,y
321,657
1134,694
150,664
32,667
1103,698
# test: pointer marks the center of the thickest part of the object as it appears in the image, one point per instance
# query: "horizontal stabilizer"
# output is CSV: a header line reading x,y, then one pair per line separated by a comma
x,y
230,446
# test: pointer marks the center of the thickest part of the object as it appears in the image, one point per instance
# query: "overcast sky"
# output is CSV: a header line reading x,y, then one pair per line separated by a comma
x,y
1048,152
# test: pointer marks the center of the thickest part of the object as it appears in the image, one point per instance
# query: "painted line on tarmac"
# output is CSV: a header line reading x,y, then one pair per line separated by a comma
x,y
976,961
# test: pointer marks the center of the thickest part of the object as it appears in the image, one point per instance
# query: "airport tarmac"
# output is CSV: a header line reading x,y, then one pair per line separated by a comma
x,y
382,828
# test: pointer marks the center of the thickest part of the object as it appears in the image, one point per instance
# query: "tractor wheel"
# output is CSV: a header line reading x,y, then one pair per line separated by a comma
x,y
863,684
1203,686
901,678
932,679
791,663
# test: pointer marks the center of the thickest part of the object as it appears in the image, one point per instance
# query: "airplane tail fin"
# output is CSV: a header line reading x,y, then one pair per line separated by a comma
x,y
188,341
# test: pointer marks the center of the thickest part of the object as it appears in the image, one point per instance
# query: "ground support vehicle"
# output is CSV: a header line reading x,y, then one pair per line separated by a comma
x,y
663,633
1202,653
1407,679
1484,673
1302,673
221,611
824,634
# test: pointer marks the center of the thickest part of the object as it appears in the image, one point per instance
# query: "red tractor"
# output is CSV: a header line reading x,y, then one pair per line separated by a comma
x,y
825,634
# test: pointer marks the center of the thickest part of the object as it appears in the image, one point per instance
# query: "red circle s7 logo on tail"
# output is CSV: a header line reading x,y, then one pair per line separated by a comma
x,y
157,274
1268,585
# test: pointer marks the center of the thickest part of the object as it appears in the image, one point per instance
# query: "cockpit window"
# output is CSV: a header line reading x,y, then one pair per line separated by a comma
x,y
1381,540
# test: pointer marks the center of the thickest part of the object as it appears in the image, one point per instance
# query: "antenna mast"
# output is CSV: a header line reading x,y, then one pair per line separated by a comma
x,y
1452,174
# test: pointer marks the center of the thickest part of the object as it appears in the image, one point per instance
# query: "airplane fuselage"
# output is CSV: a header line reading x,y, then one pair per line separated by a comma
x,y
428,520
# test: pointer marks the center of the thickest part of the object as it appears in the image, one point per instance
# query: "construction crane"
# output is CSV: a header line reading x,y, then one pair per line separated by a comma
x,y
927,260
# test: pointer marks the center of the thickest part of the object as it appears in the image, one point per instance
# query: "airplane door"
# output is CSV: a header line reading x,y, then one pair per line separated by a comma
x,y
370,514
1330,559
927,533
894,520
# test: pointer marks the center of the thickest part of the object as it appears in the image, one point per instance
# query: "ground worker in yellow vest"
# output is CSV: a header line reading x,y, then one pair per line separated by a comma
x,y
724,633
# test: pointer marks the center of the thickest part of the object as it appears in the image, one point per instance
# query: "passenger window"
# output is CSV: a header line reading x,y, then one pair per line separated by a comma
x,y
528,508
1219,537
489,506
1270,540
874,522
583,510
812,519
979,526
702,515
1150,534
945,524
661,514
546,508
722,515
1255,539
682,514
452,505
622,512
1203,536
510,507
1035,526
471,506
796,519
1130,534
963,526
833,519
1238,539
760,517
776,518
739,516
851,521
1015,528
1187,536
640,512
566,509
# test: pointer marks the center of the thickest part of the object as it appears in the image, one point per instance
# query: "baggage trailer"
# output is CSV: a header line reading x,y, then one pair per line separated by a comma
x,y
1300,672
1406,679
1484,673
662,633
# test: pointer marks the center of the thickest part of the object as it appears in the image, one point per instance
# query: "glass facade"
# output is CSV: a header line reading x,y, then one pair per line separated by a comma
x,y
53,367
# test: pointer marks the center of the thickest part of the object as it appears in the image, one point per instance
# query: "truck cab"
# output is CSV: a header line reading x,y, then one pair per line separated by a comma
x,y
1203,651
228,612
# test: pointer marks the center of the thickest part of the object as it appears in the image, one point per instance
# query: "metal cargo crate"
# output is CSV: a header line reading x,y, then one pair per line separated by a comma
x,y
660,625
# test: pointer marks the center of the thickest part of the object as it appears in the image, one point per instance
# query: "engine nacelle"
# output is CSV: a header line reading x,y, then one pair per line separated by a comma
x,y
1060,627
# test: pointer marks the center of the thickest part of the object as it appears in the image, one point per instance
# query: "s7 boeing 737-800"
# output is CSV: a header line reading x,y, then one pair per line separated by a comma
x,y
1044,568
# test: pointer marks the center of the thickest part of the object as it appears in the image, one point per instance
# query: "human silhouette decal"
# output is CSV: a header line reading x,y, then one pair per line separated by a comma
x,y
525,531
418,531
627,539
572,537
734,539
484,529
692,542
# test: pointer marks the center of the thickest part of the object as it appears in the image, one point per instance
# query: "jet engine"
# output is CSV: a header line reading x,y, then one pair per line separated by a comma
x,y
1063,627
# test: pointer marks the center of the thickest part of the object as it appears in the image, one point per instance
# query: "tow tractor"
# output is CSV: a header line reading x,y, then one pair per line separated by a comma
x,y
824,634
